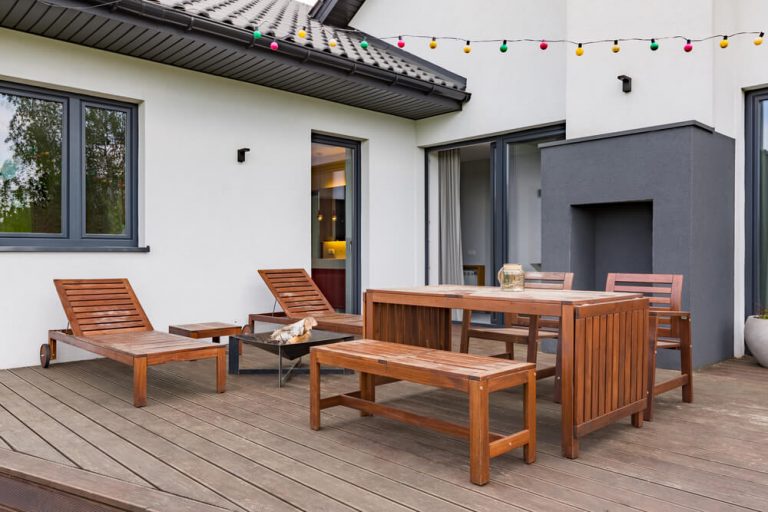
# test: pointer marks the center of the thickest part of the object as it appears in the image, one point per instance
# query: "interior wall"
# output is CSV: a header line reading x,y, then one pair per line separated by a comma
x,y
209,221
524,208
476,214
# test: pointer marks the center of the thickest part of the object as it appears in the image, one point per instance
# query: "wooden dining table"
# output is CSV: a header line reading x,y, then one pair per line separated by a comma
x,y
604,342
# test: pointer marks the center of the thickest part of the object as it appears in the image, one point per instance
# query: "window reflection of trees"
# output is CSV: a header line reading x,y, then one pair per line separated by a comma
x,y
30,174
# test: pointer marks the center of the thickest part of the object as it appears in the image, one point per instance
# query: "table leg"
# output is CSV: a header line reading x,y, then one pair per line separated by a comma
x,y
221,372
314,392
479,446
367,389
533,338
234,356
569,442
529,418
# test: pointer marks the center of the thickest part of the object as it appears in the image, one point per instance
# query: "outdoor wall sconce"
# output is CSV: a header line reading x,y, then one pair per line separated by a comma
x,y
626,83
241,154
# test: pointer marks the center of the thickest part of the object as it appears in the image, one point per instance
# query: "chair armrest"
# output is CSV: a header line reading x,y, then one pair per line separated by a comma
x,y
664,312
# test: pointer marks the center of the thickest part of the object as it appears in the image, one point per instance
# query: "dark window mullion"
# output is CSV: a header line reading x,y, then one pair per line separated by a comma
x,y
75,170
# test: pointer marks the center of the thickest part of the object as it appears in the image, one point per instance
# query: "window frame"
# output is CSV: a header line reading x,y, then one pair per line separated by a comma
x,y
73,195
753,136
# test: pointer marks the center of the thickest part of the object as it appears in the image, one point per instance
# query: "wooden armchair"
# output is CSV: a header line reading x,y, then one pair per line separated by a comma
x,y
527,330
673,332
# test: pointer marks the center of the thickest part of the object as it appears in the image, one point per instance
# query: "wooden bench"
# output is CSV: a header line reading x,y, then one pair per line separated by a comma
x,y
478,376
106,319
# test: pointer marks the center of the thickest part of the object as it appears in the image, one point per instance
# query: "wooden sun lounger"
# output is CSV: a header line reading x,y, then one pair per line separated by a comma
x,y
105,318
299,297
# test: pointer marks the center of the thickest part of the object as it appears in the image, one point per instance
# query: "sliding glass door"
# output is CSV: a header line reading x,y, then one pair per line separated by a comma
x,y
484,207
756,187
335,219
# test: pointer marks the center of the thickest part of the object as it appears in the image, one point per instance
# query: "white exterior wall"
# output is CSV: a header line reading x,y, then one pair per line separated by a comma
x,y
526,87
211,222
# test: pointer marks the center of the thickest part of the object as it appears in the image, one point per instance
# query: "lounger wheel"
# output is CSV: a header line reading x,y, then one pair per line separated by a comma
x,y
45,355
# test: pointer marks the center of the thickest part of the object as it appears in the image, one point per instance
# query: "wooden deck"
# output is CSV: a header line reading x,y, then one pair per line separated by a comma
x,y
73,428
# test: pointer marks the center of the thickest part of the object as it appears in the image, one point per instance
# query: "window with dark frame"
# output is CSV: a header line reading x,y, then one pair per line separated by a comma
x,y
68,177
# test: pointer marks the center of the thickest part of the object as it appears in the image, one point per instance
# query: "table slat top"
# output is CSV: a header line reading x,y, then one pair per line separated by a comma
x,y
493,292
466,366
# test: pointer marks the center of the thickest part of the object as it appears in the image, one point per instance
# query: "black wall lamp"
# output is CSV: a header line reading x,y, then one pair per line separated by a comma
x,y
241,154
626,83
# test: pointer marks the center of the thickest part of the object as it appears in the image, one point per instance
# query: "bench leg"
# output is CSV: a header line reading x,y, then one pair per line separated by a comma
x,y
139,381
479,446
314,392
367,389
221,371
529,418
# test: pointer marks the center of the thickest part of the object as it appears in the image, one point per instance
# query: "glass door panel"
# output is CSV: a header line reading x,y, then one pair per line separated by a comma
x,y
334,223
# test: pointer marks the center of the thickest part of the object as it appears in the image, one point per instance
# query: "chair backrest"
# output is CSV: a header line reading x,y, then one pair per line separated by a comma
x,y
101,306
549,280
665,292
296,292
542,281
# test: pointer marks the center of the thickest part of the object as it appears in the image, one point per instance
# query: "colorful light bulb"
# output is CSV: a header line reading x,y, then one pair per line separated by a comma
x,y
257,33
579,50
759,39
467,47
274,46
724,42
364,44
433,43
615,48
302,33
543,45
688,46
400,42
332,43
503,48
654,45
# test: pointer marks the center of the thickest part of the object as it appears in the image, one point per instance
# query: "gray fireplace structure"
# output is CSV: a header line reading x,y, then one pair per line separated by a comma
x,y
655,200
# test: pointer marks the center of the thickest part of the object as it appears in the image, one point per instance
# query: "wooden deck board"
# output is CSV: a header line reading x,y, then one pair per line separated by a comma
x,y
251,447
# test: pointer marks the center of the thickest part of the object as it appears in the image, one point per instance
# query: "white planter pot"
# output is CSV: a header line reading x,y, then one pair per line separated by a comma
x,y
756,336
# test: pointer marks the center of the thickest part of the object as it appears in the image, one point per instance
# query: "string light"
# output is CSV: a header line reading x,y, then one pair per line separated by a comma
x,y
364,44
400,42
724,42
543,45
615,48
579,50
257,33
654,45
302,33
274,46
688,46
467,47
332,43
503,48
759,39
433,43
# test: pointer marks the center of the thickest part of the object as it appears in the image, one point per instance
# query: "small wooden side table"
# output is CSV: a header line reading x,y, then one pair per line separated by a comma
x,y
213,330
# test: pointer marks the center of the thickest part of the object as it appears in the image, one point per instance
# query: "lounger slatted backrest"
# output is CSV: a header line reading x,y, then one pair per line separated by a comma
x,y
296,292
101,306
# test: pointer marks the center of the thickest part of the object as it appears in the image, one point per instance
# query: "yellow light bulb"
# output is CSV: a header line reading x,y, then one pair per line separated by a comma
x,y
332,43
302,33
579,51
616,48
467,47
433,43
758,40
724,42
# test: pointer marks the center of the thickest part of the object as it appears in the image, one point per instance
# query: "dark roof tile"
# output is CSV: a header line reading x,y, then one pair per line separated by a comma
x,y
283,19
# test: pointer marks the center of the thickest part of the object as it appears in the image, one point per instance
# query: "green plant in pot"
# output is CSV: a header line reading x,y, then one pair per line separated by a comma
x,y
756,336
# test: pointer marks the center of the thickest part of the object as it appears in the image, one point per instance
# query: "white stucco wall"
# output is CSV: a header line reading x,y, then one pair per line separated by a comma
x,y
211,222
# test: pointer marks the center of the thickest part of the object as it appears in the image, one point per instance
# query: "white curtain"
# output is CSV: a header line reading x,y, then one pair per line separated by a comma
x,y
451,260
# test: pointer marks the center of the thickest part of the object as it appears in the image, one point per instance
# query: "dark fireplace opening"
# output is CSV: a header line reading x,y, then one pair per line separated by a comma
x,y
610,237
